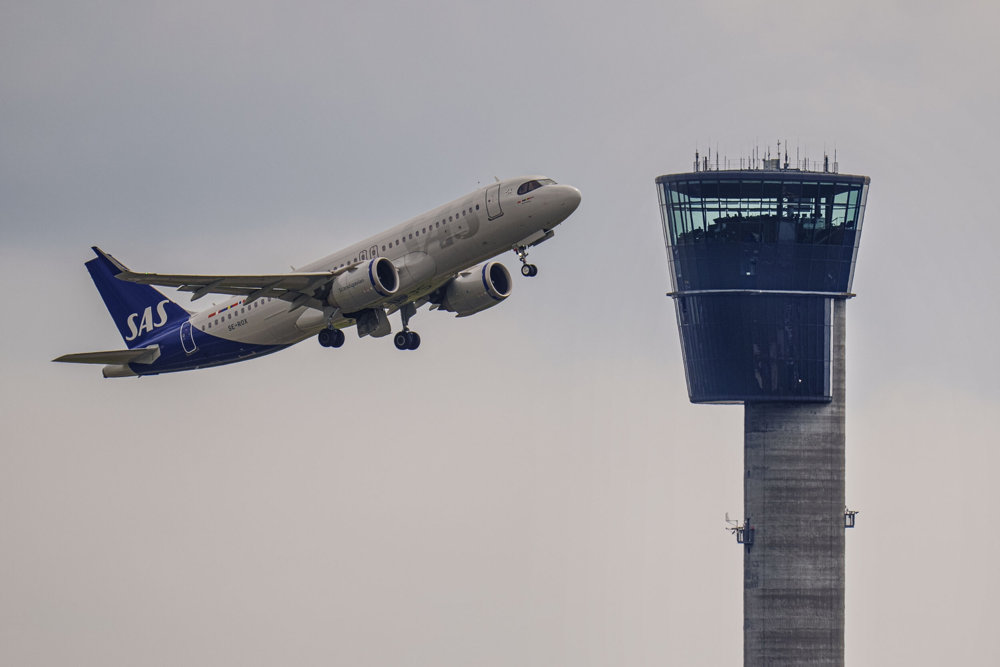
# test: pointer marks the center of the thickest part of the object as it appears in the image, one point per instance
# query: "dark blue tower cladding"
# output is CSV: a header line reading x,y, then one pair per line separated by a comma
x,y
757,258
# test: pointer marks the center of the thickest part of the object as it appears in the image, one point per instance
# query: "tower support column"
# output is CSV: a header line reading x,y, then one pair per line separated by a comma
x,y
793,571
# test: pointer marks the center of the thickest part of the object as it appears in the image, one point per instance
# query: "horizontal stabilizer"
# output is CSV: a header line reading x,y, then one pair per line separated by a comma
x,y
142,355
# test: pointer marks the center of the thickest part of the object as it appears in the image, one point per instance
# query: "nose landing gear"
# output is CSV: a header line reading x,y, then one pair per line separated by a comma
x,y
527,270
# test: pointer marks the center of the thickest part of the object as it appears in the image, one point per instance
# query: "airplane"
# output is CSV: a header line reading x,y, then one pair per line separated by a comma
x,y
443,258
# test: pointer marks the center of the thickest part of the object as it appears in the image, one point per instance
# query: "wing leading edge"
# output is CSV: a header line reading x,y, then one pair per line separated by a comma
x,y
299,289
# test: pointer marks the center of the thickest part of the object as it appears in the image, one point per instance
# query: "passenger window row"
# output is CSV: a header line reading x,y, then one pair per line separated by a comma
x,y
218,318
423,230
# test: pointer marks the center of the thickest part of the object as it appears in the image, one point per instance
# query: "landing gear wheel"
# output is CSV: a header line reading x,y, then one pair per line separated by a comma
x,y
331,337
527,270
406,340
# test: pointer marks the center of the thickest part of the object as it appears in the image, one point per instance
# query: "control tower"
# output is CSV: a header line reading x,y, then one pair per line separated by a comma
x,y
761,264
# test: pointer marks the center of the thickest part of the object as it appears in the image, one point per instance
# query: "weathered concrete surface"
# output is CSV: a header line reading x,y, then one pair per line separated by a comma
x,y
793,574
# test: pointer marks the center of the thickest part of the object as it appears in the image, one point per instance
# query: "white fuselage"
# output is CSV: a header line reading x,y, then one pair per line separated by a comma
x,y
427,250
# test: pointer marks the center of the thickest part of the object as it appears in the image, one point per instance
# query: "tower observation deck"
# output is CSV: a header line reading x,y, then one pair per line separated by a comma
x,y
761,264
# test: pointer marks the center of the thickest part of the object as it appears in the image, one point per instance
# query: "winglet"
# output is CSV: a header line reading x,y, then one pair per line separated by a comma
x,y
114,262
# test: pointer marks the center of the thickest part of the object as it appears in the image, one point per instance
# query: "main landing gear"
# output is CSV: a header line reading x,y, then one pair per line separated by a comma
x,y
527,270
331,337
406,339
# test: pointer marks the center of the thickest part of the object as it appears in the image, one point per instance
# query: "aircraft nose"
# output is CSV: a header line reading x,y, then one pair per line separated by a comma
x,y
570,197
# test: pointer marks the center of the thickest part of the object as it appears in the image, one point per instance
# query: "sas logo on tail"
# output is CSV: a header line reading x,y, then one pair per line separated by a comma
x,y
146,324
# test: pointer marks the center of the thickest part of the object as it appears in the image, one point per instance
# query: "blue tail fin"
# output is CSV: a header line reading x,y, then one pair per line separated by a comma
x,y
139,311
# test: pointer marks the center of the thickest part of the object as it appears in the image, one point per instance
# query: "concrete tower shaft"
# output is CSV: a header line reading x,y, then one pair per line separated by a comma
x,y
793,589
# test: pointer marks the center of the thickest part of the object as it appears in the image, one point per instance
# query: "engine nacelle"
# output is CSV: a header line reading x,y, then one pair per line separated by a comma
x,y
364,285
477,289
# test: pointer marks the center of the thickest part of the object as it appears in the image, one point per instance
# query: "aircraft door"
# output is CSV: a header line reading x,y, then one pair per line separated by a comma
x,y
493,210
187,338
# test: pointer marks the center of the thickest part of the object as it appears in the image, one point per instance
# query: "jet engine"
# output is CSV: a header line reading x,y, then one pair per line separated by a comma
x,y
364,285
476,289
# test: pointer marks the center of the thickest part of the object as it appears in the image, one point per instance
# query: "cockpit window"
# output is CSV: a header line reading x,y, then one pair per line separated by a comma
x,y
534,185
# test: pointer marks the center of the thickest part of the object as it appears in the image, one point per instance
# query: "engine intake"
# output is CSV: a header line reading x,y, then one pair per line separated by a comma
x,y
479,288
364,285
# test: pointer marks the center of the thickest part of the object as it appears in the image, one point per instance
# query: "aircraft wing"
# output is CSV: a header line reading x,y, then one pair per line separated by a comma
x,y
142,355
299,289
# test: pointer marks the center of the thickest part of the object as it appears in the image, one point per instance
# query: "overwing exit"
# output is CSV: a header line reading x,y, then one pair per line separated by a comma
x,y
443,258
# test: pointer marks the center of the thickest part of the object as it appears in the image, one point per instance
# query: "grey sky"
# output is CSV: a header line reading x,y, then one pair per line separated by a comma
x,y
532,487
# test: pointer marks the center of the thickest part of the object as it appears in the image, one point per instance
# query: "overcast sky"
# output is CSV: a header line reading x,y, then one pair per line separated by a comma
x,y
532,486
